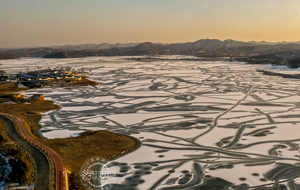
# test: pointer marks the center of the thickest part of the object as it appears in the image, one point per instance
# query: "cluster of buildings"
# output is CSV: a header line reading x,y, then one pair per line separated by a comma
x,y
37,78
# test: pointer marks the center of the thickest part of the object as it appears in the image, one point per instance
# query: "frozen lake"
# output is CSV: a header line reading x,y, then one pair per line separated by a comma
x,y
200,123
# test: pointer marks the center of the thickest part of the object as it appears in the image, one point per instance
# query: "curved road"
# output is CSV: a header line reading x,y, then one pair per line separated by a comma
x,y
41,161
42,164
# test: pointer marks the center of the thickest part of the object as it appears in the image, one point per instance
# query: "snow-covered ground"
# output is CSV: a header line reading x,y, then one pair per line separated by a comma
x,y
199,122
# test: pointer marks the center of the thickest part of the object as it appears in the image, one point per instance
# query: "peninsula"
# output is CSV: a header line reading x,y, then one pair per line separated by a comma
x,y
58,160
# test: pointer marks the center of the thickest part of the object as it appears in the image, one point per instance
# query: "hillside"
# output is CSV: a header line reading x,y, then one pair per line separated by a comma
x,y
200,48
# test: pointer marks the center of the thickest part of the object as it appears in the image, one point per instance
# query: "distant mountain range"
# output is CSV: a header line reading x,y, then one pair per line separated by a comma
x,y
93,46
200,48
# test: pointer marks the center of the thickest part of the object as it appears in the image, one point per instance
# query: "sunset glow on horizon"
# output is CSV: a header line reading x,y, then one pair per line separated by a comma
x,y
46,23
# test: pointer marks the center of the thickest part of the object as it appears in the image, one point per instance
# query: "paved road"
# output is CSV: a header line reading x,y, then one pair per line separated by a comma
x,y
42,164
59,166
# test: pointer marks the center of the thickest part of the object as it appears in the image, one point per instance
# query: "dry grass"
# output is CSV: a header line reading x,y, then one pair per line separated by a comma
x,y
75,150
21,110
7,89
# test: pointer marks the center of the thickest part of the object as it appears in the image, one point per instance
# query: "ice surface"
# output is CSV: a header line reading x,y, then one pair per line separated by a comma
x,y
225,118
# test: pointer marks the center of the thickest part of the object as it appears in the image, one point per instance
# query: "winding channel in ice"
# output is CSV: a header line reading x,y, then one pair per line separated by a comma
x,y
200,123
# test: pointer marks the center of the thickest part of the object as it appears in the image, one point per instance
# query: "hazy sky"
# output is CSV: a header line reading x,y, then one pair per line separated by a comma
x,y
59,22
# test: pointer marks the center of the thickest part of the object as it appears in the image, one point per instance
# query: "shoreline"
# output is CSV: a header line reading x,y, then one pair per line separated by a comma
x,y
23,106
273,73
